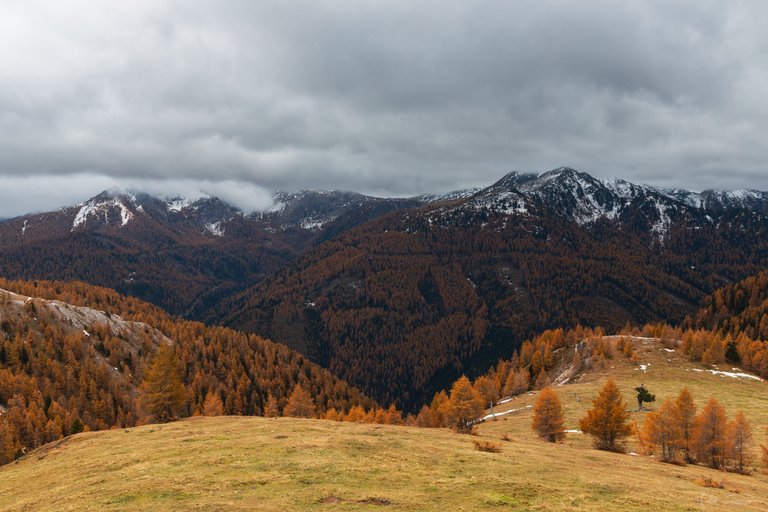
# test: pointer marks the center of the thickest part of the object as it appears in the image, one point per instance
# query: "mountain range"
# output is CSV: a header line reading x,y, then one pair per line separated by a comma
x,y
399,296
401,305
179,253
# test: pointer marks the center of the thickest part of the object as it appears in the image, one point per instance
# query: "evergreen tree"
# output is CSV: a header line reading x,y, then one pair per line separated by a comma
x,y
548,420
300,404
164,393
607,421
643,396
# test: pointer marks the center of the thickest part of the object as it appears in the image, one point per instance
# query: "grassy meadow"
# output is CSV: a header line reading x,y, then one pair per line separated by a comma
x,y
284,464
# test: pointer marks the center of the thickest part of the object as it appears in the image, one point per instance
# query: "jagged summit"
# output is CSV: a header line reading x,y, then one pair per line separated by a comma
x,y
585,199
563,191
110,207
115,208
514,180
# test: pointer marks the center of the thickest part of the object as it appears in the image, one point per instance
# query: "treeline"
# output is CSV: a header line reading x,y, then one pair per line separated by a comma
x,y
528,368
56,379
738,308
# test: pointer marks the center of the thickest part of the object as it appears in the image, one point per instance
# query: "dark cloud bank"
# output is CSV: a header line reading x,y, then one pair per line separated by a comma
x,y
393,97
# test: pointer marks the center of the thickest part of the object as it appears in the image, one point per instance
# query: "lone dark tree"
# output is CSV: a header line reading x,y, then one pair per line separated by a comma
x,y
643,396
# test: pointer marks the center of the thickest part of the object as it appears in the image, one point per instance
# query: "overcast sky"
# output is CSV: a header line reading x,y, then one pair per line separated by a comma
x,y
390,97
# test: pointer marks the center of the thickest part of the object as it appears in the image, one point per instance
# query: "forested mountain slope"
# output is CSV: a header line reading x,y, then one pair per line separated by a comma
x,y
73,356
402,305
741,307
181,254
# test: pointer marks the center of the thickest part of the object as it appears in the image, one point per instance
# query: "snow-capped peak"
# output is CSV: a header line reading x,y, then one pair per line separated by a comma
x,y
449,196
577,196
176,204
111,206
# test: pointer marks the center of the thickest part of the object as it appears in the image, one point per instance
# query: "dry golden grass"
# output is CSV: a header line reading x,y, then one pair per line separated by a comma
x,y
666,373
234,463
291,464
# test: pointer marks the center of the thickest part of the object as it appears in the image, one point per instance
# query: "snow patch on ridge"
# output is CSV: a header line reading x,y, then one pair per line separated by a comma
x,y
177,204
95,208
736,374
315,223
215,228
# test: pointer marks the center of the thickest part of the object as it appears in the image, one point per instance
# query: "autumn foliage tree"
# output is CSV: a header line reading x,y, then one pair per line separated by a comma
x,y
488,388
272,408
710,431
607,420
466,405
8,444
548,422
213,406
764,449
662,431
300,404
686,417
164,393
740,442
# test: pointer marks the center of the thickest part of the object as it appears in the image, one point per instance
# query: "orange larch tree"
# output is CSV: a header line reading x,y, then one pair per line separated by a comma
x,y
662,431
300,404
164,393
213,406
710,434
466,405
740,442
686,416
272,409
607,421
548,422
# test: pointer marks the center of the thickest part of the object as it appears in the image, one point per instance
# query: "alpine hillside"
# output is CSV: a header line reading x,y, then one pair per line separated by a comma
x,y
74,357
402,305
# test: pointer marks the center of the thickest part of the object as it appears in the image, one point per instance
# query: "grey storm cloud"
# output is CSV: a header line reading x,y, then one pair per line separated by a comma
x,y
390,97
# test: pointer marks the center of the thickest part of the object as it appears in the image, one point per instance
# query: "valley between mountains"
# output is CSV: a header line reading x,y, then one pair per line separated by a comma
x,y
401,296
340,351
